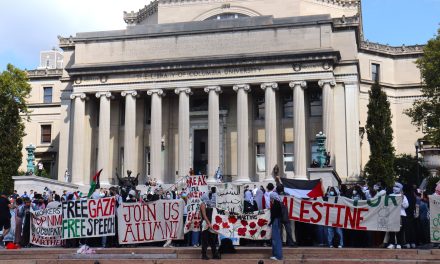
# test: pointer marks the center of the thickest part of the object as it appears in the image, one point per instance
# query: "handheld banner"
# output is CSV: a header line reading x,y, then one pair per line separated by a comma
x,y
434,209
150,222
196,186
229,198
381,214
253,226
89,218
46,227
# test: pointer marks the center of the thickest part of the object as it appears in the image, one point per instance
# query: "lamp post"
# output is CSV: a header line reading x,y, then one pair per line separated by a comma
x,y
417,145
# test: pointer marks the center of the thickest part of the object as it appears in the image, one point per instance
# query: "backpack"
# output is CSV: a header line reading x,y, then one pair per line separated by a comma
x,y
226,246
284,214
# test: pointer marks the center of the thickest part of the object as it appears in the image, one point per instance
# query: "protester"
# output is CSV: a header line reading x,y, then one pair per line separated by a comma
x,y
424,220
275,221
5,215
332,192
396,238
18,221
25,214
209,236
270,187
285,223
259,198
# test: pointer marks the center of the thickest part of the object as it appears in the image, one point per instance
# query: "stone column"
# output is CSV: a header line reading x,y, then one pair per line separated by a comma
x,y
270,127
299,127
353,138
328,115
104,138
184,162
156,134
130,157
242,132
78,139
213,131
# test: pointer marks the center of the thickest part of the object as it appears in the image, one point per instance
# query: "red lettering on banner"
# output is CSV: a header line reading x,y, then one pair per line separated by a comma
x,y
151,212
360,218
175,208
338,215
129,230
127,217
327,212
350,217
101,207
303,212
55,220
317,212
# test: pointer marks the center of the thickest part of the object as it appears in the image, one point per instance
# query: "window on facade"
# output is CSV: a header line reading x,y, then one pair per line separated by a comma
x,y
121,161
288,106
147,112
315,102
47,91
261,158
199,104
375,72
46,135
288,157
223,16
122,114
260,108
147,161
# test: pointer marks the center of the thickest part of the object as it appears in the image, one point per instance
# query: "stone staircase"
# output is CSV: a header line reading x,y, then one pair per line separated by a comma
x,y
245,255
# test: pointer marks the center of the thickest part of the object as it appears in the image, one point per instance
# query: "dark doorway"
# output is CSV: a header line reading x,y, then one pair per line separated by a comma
x,y
200,151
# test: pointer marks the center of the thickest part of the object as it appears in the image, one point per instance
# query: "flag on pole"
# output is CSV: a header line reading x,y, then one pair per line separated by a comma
x,y
95,183
303,188
78,195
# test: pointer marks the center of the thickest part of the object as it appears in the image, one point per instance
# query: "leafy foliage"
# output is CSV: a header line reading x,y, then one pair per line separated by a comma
x,y
405,167
426,111
380,167
14,89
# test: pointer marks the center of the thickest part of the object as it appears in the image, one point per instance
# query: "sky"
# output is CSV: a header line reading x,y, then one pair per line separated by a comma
x,y
30,26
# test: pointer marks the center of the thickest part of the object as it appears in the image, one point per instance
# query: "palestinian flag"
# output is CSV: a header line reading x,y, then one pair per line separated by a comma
x,y
78,195
95,183
303,188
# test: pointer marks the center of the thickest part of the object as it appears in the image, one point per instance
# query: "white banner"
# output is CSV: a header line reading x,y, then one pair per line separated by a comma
x,y
434,211
196,186
229,198
381,214
253,226
89,218
46,227
150,222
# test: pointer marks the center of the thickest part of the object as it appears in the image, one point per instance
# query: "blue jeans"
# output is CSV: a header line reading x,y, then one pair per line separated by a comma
x,y
195,238
331,234
321,235
277,243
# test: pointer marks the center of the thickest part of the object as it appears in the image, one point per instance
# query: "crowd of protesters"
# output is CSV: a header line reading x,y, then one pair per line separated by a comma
x,y
15,217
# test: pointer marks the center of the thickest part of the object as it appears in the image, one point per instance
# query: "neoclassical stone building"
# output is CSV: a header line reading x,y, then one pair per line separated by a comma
x,y
240,85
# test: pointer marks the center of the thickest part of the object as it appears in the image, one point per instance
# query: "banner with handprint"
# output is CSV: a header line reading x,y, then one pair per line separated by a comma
x,y
434,207
253,226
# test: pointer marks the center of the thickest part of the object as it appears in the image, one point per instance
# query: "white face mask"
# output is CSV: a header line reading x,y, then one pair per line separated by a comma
x,y
354,192
396,190
332,193
376,188
168,196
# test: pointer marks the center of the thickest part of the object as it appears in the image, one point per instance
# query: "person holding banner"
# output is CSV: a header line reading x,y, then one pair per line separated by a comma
x,y
396,238
209,237
275,223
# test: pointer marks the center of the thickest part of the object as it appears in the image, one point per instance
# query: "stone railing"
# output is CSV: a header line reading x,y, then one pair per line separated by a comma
x,y
66,42
341,3
390,50
44,73
132,18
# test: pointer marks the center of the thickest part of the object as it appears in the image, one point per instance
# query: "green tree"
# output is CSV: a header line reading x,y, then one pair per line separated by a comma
x,y
426,111
380,166
407,167
14,89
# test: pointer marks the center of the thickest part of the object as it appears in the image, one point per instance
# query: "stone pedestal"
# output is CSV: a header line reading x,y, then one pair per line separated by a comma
x,y
328,175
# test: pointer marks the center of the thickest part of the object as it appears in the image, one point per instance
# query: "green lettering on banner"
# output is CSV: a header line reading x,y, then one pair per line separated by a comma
x,y
392,198
376,202
72,228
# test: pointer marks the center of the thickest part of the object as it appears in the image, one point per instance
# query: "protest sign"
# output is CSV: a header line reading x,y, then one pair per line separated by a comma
x,y
46,227
196,186
434,208
89,218
253,226
150,222
381,214
229,198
